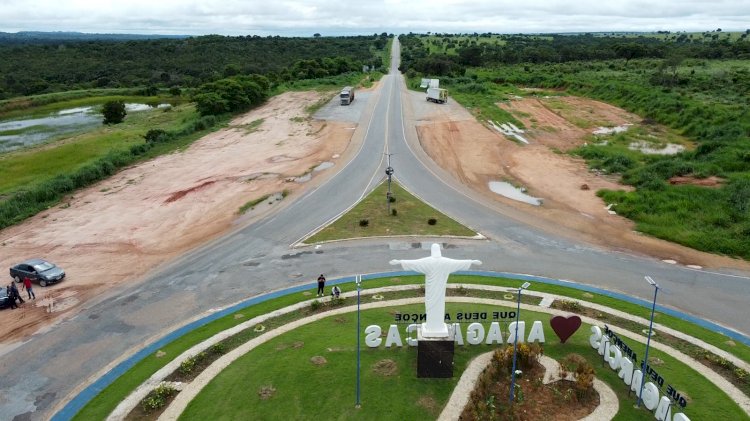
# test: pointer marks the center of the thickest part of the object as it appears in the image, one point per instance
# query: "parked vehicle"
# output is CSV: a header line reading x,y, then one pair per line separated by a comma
x,y
438,95
38,270
347,95
4,299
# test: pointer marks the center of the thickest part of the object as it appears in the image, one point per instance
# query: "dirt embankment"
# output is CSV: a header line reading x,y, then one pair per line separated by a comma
x,y
120,228
477,155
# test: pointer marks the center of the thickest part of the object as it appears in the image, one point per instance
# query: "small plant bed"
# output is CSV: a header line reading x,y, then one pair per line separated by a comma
x,y
562,400
152,406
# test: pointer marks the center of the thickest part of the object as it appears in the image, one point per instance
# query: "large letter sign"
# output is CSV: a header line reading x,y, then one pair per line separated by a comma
x,y
618,356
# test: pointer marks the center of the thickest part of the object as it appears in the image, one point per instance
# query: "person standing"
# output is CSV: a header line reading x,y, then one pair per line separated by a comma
x,y
11,298
29,290
321,284
13,293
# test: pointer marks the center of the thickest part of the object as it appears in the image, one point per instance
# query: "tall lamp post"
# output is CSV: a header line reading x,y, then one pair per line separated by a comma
x,y
644,364
358,280
515,342
389,172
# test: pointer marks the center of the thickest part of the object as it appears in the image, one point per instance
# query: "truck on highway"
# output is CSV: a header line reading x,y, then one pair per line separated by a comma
x,y
438,95
347,95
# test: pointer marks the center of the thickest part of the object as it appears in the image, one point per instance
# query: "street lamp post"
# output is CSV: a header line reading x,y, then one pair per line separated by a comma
x,y
515,342
389,172
644,364
358,280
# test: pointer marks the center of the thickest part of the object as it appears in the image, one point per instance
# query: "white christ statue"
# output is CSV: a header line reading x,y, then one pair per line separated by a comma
x,y
436,269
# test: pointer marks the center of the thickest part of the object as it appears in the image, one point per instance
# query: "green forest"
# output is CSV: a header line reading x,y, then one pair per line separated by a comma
x,y
45,66
697,85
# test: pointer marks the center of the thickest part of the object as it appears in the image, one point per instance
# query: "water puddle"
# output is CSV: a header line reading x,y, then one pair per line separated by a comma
x,y
506,189
324,166
612,130
303,179
16,134
651,149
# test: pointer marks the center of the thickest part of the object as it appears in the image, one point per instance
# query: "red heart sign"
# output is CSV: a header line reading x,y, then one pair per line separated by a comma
x,y
565,327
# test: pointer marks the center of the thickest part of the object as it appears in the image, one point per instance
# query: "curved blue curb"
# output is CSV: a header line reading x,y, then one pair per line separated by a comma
x,y
87,394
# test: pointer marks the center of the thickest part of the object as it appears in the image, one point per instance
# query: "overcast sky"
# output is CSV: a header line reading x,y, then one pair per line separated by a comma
x,y
332,17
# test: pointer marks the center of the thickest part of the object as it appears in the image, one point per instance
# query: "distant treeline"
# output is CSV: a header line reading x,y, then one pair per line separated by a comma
x,y
30,69
38,37
452,55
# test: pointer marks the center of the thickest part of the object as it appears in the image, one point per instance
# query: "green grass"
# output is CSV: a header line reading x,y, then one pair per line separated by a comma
x,y
252,126
25,167
106,400
411,219
307,391
251,204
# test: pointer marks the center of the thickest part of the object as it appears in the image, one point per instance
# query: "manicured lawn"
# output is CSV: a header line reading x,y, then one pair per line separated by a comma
x,y
304,390
412,218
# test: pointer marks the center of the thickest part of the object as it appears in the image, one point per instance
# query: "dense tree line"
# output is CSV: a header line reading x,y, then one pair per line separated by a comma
x,y
51,67
456,54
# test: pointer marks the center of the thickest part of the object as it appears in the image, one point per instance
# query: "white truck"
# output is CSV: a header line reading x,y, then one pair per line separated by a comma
x,y
438,95
347,95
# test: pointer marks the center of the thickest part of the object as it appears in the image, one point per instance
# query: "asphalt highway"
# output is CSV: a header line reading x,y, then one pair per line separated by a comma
x,y
41,374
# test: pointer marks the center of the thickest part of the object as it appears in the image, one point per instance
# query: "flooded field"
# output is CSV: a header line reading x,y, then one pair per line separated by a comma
x,y
21,133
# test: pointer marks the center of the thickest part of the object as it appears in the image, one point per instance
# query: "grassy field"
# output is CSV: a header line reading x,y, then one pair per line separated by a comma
x,y
310,391
105,401
35,165
412,218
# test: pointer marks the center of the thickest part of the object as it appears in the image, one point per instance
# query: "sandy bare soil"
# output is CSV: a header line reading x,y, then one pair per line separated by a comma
x,y
477,155
155,211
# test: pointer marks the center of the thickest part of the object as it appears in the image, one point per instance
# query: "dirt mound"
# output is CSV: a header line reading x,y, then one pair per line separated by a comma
x,y
266,392
712,181
385,368
318,360
182,193
563,122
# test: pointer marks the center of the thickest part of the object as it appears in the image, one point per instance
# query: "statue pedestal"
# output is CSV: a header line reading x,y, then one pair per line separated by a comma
x,y
435,357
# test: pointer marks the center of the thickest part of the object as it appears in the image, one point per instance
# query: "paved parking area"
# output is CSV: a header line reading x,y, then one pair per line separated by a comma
x,y
333,110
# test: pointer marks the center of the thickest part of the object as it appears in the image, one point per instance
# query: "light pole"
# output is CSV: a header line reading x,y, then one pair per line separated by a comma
x,y
358,280
515,342
644,364
389,172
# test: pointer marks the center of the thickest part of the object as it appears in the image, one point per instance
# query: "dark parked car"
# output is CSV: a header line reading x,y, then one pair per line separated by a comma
x,y
4,300
40,271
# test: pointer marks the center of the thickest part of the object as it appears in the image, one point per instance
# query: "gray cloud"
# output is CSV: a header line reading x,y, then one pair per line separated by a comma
x,y
298,17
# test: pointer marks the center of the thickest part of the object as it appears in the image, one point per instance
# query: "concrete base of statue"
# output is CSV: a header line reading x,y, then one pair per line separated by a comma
x,y
442,333
435,356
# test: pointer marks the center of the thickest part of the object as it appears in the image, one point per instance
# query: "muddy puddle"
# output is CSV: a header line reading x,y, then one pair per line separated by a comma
x,y
508,190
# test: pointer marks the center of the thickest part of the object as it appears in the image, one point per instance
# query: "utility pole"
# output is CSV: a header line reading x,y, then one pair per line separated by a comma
x,y
389,172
